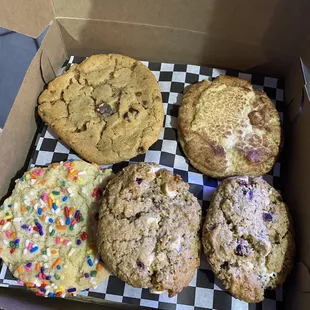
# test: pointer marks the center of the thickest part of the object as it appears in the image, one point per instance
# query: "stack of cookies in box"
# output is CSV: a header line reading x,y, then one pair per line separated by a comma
x,y
66,227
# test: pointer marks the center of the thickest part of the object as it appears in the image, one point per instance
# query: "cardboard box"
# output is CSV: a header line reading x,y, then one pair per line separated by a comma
x,y
265,36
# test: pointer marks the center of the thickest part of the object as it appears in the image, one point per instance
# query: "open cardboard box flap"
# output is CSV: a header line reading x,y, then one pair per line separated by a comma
x,y
267,36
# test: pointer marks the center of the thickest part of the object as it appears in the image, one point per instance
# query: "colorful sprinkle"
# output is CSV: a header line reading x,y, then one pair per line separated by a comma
x,y
37,267
34,249
67,221
99,266
12,250
89,262
52,233
40,211
13,234
65,198
56,276
56,263
16,241
65,242
49,202
71,252
84,236
51,220
77,212
29,247
29,264
86,275
54,206
24,226
58,267
78,242
70,290
66,211
8,235
57,240
56,193
93,273
38,225
19,269
61,227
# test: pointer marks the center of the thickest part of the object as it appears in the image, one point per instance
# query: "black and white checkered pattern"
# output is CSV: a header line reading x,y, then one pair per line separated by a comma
x,y
204,291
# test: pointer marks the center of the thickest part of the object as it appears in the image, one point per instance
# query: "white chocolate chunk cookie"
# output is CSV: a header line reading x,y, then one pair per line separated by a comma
x,y
148,233
47,228
247,237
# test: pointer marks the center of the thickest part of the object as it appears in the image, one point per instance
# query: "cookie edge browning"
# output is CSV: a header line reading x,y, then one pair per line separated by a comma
x,y
91,153
241,289
183,281
187,113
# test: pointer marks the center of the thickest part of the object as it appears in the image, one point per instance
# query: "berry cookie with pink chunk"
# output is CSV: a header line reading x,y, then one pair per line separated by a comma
x,y
47,228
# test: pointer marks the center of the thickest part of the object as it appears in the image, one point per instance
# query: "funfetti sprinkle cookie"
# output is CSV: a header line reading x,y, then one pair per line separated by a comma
x,y
47,228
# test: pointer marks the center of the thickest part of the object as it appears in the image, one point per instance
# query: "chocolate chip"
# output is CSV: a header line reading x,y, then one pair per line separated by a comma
x,y
140,265
139,180
267,217
224,265
134,112
105,109
126,117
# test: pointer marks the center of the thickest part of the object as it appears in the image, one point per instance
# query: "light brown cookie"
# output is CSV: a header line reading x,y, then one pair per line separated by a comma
x,y
108,108
247,237
148,229
226,128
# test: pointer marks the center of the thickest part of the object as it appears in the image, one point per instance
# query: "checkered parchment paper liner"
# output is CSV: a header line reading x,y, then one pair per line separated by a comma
x,y
204,291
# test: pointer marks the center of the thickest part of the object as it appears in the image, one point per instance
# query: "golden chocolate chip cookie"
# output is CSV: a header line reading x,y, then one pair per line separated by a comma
x,y
247,237
226,128
108,108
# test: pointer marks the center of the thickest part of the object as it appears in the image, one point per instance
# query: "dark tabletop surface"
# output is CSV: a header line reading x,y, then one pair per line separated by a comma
x,y
16,53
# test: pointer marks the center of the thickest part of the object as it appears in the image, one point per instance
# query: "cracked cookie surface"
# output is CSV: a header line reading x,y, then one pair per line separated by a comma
x,y
247,237
148,231
107,108
47,228
228,129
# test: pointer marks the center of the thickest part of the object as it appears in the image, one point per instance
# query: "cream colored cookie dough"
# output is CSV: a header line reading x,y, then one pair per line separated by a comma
x,y
148,233
47,228
107,108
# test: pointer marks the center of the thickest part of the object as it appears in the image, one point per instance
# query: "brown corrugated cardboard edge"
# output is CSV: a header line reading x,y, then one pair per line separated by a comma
x,y
295,173
21,125
26,17
270,32
164,44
